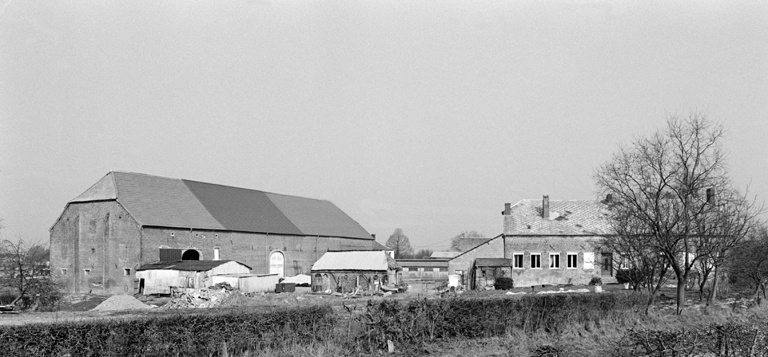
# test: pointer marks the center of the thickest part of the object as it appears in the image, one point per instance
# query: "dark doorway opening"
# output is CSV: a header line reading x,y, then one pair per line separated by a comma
x,y
190,254
607,264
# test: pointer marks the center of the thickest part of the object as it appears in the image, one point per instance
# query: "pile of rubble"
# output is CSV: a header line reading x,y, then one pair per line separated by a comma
x,y
201,298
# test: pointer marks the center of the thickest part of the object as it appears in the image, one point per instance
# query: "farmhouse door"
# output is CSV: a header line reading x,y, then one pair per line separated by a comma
x,y
607,266
277,264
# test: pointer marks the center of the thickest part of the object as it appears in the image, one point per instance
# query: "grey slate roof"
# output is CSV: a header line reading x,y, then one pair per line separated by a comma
x,y
187,265
566,217
167,202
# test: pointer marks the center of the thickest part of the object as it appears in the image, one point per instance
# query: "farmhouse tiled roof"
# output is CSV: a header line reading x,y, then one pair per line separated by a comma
x,y
565,217
168,202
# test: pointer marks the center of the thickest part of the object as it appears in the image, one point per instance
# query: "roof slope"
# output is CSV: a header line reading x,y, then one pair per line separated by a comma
x,y
188,265
565,217
355,260
167,202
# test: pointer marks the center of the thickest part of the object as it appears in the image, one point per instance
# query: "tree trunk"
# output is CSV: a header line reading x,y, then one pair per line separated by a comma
x,y
713,293
681,278
651,300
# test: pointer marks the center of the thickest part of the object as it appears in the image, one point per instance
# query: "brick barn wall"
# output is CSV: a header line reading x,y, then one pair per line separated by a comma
x,y
91,246
104,239
251,249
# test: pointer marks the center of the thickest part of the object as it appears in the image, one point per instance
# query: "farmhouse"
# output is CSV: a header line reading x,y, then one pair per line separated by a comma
x,y
544,243
127,220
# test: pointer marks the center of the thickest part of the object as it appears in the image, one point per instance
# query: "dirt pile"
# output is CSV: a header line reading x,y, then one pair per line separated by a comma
x,y
121,302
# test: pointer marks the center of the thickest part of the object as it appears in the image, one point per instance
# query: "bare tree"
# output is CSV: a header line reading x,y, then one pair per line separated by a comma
x,y
456,241
748,264
25,271
639,262
399,242
661,181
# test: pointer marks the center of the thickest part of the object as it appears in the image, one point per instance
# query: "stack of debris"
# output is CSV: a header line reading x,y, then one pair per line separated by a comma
x,y
200,298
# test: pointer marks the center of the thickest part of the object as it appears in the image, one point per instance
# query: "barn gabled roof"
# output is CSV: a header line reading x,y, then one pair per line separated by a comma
x,y
168,202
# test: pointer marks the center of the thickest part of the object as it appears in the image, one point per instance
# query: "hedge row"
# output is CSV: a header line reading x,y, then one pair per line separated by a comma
x,y
729,340
180,335
413,322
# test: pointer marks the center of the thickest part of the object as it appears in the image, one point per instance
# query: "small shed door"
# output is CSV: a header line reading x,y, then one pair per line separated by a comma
x,y
277,264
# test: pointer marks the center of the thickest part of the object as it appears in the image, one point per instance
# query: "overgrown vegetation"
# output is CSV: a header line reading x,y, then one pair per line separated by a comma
x,y
415,322
193,334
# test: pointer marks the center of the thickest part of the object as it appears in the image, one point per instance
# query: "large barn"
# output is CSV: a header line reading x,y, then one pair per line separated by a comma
x,y
126,220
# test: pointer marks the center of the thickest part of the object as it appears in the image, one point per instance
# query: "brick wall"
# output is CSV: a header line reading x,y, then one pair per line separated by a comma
x,y
251,249
92,245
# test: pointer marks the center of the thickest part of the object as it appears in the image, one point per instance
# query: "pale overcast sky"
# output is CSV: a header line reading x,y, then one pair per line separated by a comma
x,y
421,115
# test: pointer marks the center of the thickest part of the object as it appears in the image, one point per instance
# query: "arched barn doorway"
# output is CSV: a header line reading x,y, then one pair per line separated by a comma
x,y
190,254
277,264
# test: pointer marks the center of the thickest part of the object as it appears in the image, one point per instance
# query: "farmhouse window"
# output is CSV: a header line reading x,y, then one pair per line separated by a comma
x,y
127,271
554,260
216,254
405,269
573,260
517,260
535,260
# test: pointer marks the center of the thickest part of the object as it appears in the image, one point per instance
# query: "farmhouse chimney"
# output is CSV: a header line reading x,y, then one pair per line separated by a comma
x,y
545,207
373,235
711,196
507,209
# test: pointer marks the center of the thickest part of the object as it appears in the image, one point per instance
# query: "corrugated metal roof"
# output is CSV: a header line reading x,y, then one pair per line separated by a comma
x,y
565,217
493,262
358,260
187,265
168,202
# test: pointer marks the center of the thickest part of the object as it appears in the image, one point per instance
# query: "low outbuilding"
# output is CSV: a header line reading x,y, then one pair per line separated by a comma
x,y
354,271
159,278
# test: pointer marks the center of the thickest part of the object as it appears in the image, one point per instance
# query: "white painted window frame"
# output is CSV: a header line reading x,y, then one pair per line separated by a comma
x,y
575,261
552,260
539,260
514,260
